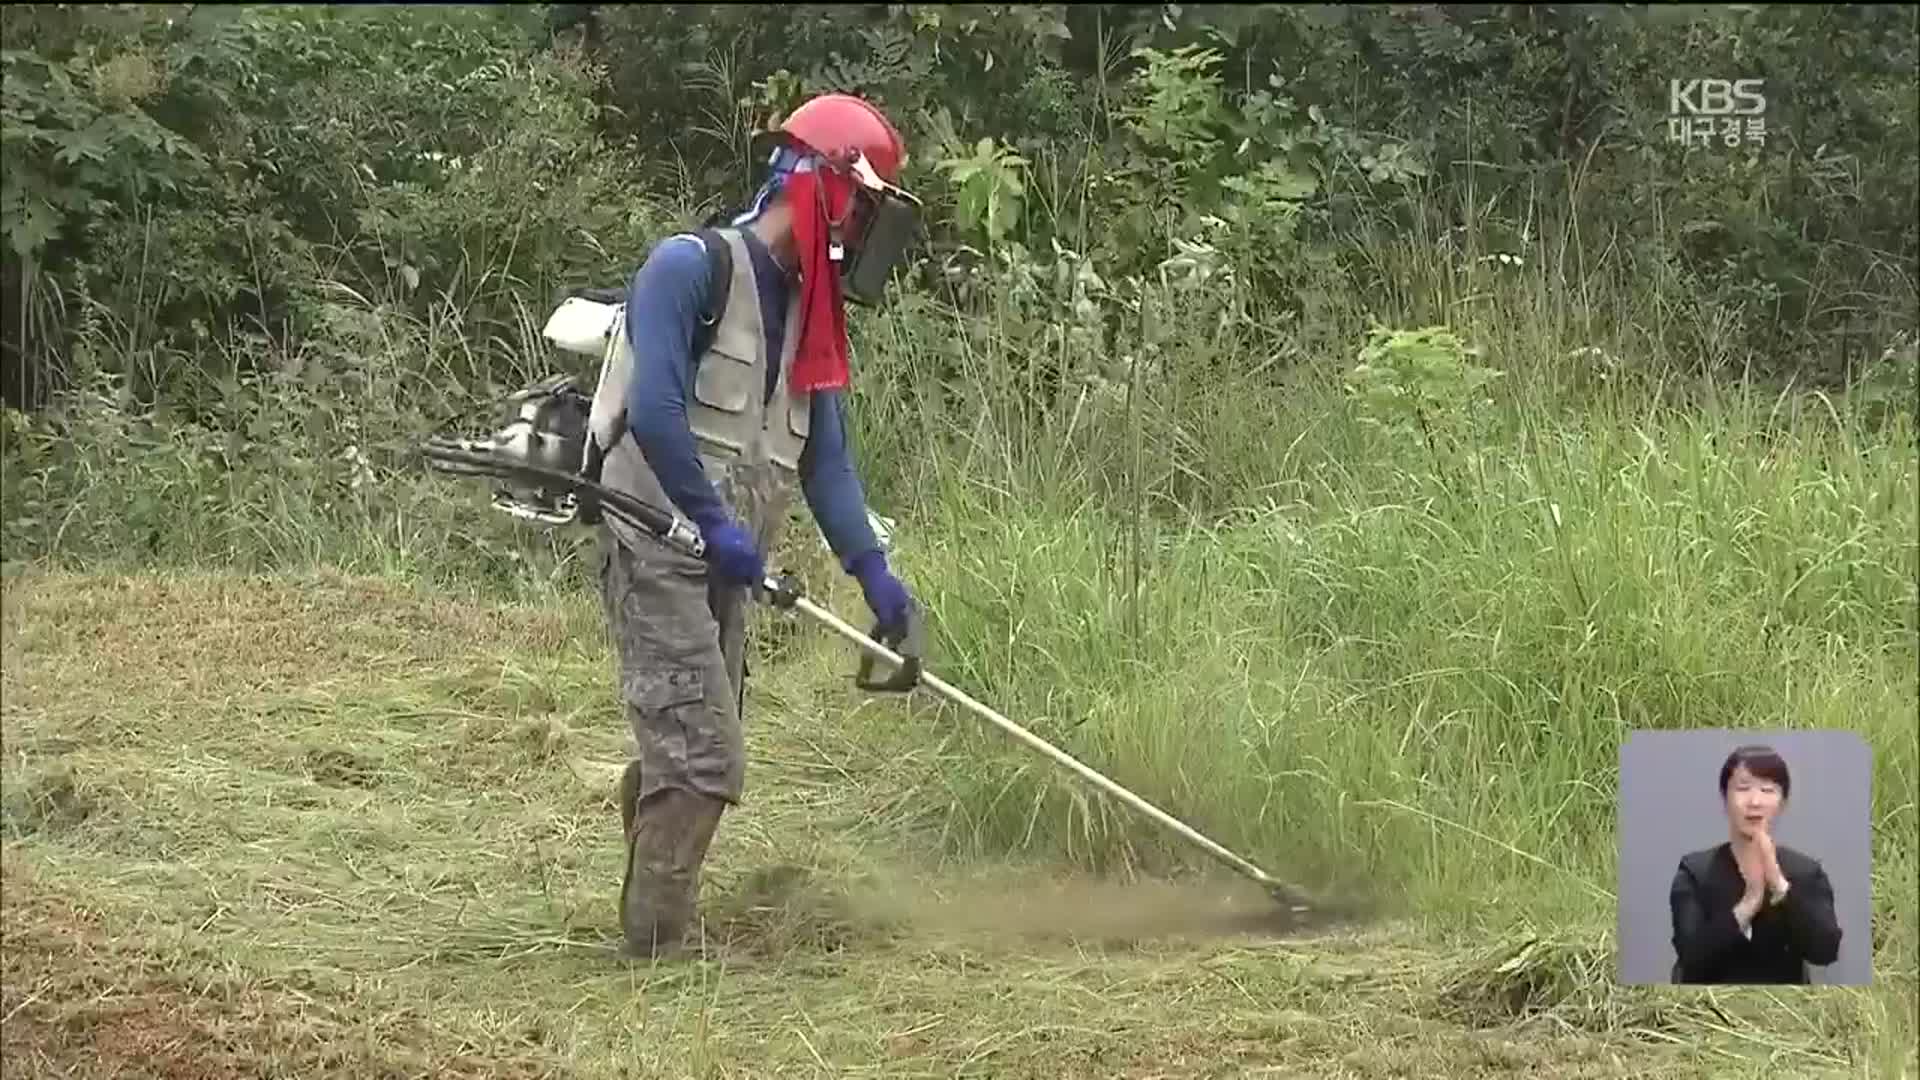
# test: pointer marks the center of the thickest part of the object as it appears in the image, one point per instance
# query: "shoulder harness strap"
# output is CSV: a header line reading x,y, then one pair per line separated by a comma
x,y
719,287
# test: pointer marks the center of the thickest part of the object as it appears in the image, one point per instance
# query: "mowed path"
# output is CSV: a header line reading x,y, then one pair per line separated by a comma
x,y
337,827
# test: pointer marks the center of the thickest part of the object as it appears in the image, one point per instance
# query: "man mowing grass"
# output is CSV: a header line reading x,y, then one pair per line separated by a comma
x,y
697,433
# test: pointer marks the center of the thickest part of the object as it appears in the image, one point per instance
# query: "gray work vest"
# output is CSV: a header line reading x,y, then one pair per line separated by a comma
x,y
749,444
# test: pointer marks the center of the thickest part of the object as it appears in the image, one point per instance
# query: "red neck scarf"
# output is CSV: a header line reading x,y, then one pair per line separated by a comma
x,y
820,360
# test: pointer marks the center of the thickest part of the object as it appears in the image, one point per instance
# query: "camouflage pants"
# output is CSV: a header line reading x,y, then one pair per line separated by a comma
x,y
680,643
680,639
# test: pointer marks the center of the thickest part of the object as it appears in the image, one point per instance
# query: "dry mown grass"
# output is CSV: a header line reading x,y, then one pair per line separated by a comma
x,y
79,1002
337,828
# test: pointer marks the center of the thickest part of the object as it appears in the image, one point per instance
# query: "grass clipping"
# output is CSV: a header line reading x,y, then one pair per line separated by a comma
x,y
1561,977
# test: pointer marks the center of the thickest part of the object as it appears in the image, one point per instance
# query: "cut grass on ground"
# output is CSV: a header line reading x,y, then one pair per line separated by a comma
x,y
333,827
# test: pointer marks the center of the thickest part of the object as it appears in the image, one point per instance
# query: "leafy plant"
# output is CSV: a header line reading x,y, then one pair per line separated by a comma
x,y
1425,382
77,141
991,192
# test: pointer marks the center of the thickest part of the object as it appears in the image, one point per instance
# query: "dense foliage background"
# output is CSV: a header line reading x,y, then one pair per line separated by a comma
x,y
212,182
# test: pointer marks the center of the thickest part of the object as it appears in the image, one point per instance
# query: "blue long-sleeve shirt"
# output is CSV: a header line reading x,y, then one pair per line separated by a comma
x,y
664,302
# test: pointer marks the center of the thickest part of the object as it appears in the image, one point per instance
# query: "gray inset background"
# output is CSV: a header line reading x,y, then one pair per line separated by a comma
x,y
1670,805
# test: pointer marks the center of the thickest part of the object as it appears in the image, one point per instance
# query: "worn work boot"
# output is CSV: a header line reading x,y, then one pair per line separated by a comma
x,y
667,845
629,801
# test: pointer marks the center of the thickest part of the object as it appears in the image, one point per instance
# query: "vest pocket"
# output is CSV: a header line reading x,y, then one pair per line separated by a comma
x,y
724,381
787,430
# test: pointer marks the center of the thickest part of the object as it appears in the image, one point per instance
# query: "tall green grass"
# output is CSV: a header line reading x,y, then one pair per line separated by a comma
x,y
286,458
1412,682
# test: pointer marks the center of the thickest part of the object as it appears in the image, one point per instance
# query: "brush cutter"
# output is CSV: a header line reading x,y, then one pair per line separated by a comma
x,y
551,495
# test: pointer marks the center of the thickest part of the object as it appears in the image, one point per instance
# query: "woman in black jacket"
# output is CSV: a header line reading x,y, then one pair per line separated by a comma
x,y
1749,910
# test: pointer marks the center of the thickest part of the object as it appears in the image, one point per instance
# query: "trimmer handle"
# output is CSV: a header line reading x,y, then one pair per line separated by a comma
x,y
782,591
908,638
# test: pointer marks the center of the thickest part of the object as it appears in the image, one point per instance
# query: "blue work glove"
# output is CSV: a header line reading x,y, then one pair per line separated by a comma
x,y
730,551
886,596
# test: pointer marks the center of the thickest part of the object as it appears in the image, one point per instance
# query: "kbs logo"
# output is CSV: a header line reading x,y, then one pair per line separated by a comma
x,y
1716,97
1699,109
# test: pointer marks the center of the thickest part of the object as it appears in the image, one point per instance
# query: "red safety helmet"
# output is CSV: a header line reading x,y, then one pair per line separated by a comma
x,y
870,235
840,126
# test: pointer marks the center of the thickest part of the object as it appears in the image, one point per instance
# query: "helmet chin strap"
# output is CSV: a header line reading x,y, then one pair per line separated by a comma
x,y
836,227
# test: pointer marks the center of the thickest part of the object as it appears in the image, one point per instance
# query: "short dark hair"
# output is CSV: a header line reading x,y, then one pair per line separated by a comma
x,y
1762,761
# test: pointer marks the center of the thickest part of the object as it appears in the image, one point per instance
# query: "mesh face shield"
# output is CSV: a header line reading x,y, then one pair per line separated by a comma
x,y
882,225
872,239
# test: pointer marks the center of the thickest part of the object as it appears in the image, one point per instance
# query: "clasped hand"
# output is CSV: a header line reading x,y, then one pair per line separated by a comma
x,y
1760,868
